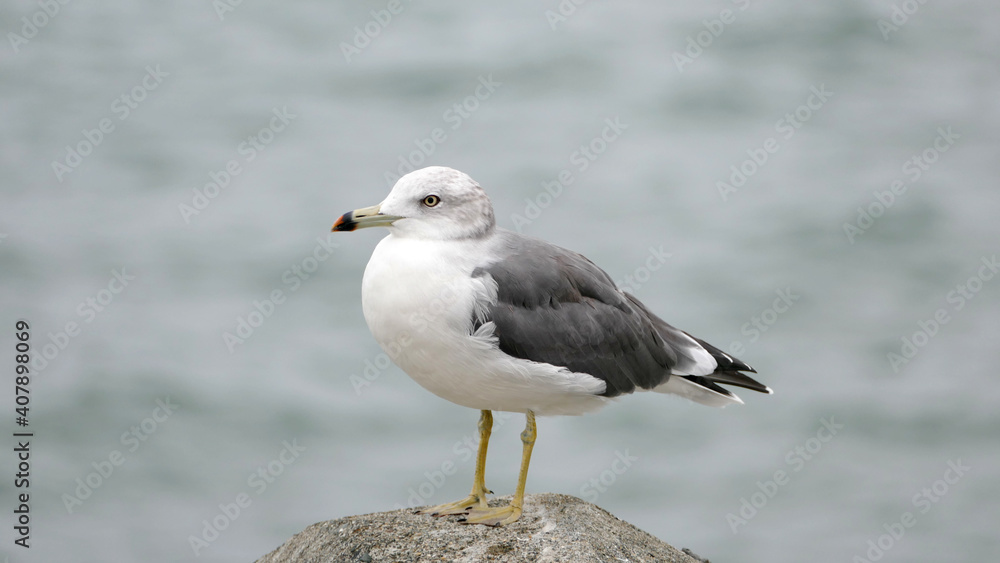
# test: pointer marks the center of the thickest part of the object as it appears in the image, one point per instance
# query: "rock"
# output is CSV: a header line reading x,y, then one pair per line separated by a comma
x,y
554,528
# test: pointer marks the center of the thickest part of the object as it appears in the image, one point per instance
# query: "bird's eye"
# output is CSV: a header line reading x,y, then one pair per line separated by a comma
x,y
431,200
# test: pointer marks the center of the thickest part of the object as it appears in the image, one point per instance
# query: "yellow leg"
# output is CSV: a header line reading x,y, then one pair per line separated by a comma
x,y
479,491
503,515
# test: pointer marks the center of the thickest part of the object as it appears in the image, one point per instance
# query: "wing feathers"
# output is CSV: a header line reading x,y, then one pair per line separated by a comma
x,y
555,306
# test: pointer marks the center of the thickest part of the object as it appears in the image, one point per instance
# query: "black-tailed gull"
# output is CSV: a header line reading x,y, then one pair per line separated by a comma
x,y
495,320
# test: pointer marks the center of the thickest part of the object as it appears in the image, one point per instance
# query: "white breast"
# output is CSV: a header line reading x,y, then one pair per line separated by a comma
x,y
412,287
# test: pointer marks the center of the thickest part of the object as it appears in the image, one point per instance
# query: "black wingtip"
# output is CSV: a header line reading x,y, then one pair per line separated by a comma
x,y
738,379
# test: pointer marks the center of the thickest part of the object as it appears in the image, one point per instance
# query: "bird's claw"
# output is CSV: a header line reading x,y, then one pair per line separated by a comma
x,y
458,507
499,516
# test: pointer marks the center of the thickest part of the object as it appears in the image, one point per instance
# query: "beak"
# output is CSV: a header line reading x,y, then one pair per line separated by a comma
x,y
361,218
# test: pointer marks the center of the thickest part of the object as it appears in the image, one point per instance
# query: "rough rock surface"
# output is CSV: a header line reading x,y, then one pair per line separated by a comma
x,y
554,528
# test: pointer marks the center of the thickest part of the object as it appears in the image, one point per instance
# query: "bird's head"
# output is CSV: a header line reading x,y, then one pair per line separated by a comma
x,y
436,202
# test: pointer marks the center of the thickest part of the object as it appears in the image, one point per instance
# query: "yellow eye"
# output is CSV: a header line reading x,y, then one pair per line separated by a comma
x,y
431,200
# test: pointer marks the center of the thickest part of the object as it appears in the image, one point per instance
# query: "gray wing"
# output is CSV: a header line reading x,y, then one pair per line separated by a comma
x,y
555,306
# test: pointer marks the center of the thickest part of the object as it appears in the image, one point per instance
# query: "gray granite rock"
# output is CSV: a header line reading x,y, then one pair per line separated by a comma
x,y
554,528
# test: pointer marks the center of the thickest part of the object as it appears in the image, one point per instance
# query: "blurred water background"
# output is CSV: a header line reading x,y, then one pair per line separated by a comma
x,y
315,107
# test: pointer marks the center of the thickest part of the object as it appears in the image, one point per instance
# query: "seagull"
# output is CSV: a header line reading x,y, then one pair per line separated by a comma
x,y
494,320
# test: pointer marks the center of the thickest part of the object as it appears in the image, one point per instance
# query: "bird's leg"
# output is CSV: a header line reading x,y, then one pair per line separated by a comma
x,y
479,491
503,515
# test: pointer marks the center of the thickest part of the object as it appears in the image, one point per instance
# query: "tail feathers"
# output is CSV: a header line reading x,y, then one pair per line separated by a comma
x,y
698,389
702,389
693,374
